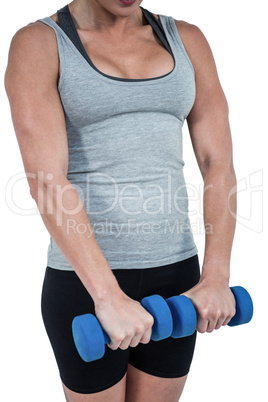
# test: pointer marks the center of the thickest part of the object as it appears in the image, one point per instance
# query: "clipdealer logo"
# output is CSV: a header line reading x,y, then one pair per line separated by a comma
x,y
165,200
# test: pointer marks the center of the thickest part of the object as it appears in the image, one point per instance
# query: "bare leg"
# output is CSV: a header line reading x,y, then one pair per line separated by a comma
x,y
143,387
113,394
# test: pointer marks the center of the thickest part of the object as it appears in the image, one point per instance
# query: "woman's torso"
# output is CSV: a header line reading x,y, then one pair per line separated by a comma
x,y
125,146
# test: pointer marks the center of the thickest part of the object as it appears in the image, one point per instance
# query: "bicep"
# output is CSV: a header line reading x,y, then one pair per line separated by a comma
x,y
36,109
208,120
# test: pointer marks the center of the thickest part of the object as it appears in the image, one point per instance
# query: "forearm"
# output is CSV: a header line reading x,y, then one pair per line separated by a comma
x,y
219,219
59,204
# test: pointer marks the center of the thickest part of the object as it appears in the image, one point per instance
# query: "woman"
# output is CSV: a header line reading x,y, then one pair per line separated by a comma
x,y
99,92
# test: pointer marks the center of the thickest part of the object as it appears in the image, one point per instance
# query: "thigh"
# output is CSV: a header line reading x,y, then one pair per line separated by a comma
x,y
143,387
169,358
64,297
116,393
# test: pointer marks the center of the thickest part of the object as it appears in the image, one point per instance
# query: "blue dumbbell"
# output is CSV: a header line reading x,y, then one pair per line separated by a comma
x,y
90,338
175,317
185,317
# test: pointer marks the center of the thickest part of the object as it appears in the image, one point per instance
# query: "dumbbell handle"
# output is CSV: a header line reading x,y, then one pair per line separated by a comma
x,y
105,336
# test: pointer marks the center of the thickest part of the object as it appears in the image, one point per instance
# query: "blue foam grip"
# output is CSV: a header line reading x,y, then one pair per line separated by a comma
x,y
163,323
184,316
89,337
244,306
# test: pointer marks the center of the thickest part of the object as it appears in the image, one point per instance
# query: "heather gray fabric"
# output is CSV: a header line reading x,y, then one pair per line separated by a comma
x,y
125,157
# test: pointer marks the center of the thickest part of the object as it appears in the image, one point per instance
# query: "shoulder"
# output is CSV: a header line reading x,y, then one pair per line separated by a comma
x,y
33,53
34,34
190,32
195,43
34,42
206,76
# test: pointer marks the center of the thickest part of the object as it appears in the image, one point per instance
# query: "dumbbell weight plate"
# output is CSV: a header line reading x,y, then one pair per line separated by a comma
x,y
93,347
244,306
163,323
184,316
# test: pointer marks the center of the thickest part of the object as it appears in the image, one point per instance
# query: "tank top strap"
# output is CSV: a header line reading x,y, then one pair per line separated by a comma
x,y
157,27
67,25
64,45
174,39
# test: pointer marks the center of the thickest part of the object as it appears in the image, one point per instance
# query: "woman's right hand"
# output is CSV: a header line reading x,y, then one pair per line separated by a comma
x,y
125,321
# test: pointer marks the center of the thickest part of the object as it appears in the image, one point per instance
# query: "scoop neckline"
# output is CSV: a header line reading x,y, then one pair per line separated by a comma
x,y
118,80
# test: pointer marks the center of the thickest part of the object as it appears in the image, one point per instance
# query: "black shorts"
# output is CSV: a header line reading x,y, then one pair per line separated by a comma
x,y
64,297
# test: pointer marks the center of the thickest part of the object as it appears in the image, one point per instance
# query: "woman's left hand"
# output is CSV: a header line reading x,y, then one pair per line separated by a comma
x,y
214,303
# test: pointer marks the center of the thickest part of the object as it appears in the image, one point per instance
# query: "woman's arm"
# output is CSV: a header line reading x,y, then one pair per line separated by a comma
x,y
211,138
31,84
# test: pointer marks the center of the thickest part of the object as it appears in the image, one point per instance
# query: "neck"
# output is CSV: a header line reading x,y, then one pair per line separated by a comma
x,y
89,14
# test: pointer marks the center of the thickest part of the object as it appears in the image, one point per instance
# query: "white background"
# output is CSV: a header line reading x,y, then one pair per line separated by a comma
x,y
229,364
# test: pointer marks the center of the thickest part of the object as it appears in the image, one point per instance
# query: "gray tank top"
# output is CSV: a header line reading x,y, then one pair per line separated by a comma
x,y
125,156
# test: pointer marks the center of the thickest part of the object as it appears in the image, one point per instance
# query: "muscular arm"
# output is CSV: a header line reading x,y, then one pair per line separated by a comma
x,y
31,84
211,138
